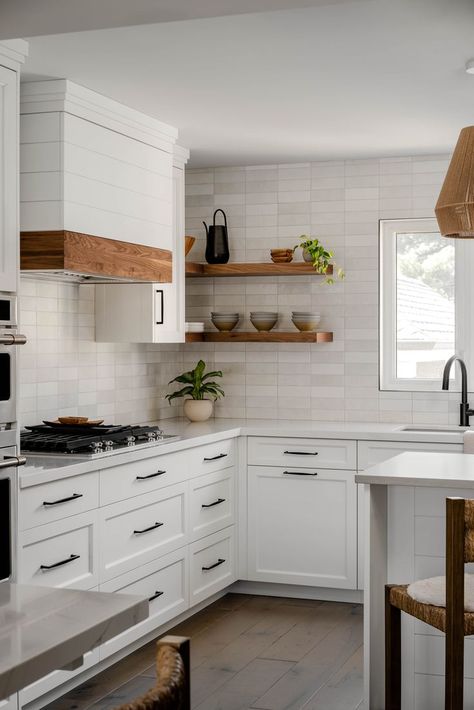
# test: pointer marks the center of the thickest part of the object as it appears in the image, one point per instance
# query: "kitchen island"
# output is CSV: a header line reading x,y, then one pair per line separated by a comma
x,y
42,629
405,541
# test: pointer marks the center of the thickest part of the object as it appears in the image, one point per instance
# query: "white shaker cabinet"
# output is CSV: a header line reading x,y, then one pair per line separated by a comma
x,y
12,54
302,526
149,312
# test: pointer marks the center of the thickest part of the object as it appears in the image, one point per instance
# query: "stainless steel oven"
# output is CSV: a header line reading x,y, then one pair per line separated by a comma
x,y
9,462
9,339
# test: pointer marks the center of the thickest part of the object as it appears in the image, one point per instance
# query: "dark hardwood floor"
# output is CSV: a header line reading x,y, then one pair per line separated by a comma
x,y
250,652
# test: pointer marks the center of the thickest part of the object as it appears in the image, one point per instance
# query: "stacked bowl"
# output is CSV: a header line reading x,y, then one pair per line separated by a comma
x,y
305,321
225,321
263,320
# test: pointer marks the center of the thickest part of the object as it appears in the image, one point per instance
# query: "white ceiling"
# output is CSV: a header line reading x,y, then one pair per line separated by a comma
x,y
29,18
355,79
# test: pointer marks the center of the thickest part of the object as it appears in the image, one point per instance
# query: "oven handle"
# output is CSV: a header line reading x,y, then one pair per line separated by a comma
x,y
9,461
12,339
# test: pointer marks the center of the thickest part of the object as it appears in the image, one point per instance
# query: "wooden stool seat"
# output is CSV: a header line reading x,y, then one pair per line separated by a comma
x,y
430,614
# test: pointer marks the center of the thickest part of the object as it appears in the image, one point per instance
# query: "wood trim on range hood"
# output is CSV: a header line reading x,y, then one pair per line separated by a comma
x,y
85,257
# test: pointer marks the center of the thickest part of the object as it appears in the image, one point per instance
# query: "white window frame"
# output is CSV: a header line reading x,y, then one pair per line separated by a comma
x,y
464,296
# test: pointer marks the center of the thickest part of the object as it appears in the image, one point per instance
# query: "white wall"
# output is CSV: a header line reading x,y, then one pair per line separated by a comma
x,y
64,371
341,202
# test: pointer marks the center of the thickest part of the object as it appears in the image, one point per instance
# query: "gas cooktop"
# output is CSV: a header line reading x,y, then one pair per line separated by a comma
x,y
89,442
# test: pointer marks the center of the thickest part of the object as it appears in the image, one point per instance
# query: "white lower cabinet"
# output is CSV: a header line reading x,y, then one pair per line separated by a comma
x,y
302,526
212,564
9,703
137,531
61,554
55,679
164,582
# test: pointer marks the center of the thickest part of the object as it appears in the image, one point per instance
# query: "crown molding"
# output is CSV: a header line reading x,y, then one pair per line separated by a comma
x,y
13,53
65,96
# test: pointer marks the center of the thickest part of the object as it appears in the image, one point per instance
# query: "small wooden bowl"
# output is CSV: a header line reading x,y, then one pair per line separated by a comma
x,y
188,244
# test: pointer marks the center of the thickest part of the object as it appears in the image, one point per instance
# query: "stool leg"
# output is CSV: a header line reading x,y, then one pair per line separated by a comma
x,y
393,655
454,683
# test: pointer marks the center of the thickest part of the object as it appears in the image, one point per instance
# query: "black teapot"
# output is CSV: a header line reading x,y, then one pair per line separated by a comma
x,y
217,243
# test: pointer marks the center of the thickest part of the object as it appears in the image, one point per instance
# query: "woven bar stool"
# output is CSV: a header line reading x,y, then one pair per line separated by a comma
x,y
446,613
172,690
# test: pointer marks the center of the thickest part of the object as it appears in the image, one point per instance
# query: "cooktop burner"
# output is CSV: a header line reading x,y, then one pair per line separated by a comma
x,y
90,441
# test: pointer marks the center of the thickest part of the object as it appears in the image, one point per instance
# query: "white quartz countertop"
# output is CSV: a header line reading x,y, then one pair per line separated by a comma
x,y
41,469
43,629
422,469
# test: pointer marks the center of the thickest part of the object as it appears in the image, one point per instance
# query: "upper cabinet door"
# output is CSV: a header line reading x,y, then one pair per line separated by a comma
x,y
8,180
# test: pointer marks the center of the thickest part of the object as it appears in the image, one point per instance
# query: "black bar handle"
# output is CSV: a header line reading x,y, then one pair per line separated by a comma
x,y
71,558
299,473
302,453
214,458
145,530
211,505
220,561
74,496
150,475
155,596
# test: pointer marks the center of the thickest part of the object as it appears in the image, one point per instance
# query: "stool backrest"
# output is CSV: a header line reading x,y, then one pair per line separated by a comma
x,y
172,688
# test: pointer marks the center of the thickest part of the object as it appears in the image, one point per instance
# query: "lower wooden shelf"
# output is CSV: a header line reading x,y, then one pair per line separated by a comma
x,y
239,336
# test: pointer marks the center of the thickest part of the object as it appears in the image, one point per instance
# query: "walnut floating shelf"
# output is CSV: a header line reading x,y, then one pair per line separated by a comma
x,y
297,268
236,336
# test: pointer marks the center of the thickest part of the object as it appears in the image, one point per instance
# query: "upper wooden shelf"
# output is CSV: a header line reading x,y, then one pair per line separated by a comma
x,y
294,268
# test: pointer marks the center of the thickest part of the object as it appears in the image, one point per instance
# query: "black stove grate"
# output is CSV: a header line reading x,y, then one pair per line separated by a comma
x,y
67,439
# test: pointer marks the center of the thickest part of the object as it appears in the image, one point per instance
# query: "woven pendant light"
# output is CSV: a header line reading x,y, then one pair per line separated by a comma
x,y
455,207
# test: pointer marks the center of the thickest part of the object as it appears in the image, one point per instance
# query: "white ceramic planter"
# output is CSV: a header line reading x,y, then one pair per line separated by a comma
x,y
198,410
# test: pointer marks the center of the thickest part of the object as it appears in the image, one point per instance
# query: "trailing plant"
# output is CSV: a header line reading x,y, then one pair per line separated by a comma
x,y
197,384
320,256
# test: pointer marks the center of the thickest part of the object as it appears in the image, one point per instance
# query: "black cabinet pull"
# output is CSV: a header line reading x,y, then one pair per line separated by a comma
x,y
155,596
211,505
299,473
71,558
150,475
302,453
145,530
214,458
220,561
74,496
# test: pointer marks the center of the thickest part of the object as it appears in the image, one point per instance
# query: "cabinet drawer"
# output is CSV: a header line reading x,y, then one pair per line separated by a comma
x,y
165,584
374,452
138,477
211,457
48,502
212,562
212,502
139,530
61,554
306,453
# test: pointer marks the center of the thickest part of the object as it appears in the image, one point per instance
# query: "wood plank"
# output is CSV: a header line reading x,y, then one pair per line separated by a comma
x,y
297,686
298,268
95,256
248,685
239,336
344,690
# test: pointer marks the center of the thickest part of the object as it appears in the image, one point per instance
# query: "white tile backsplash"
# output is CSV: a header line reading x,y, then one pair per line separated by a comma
x,y
342,202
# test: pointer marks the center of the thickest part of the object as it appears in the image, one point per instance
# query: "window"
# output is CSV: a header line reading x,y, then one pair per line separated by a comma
x,y
423,320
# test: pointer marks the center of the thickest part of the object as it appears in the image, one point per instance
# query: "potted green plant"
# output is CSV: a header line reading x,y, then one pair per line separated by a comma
x,y
198,407
315,253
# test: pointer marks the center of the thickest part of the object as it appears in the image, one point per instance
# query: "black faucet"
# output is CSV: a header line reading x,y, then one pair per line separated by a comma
x,y
464,411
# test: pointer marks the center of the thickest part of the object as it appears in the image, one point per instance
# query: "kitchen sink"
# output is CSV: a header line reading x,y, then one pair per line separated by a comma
x,y
436,429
